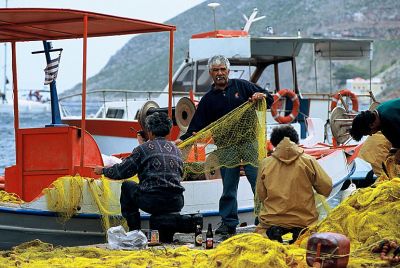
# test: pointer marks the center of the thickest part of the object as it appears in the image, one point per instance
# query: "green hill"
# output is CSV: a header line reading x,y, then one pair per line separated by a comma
x,y
140,65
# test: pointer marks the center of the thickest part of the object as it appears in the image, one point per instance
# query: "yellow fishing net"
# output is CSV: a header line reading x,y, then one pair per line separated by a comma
x,y
66,197
10,198
238,138
366,218
245,250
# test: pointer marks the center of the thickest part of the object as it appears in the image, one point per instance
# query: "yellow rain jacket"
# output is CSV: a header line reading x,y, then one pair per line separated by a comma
x,y
285,186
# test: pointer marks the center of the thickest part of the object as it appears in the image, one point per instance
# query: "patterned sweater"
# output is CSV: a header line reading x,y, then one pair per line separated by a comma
x,y
158,164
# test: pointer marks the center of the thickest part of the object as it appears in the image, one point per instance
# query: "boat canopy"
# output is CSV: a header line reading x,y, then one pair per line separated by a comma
x,y
43,24
278,49
37,24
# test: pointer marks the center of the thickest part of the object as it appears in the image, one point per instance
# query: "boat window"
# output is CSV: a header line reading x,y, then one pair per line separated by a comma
x,y
184,81
241,72
203,79
115,113
267,79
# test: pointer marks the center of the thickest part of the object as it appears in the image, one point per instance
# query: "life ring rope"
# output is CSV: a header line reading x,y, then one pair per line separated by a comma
x,y
347,93
295,110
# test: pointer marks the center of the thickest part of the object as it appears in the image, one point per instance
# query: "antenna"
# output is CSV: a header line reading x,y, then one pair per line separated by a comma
x,y
213,6
251,19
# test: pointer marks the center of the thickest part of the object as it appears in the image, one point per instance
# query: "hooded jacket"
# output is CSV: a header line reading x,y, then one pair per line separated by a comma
x,y
285,186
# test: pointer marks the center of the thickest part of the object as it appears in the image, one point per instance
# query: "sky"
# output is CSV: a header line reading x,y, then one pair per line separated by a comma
x,y
30,67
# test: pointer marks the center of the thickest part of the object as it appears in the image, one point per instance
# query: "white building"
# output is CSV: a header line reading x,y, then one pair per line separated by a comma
x,y
359,85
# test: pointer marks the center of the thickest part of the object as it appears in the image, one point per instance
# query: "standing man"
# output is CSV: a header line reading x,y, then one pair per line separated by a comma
x,y
159,166
385,118
224,96
285,186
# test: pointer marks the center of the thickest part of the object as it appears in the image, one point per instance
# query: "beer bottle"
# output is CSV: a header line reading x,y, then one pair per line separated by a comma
x,y
198,236
209,237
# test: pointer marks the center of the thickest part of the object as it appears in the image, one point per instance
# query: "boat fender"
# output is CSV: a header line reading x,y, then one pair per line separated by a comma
x,y
347,93
295,110
328,250
349,191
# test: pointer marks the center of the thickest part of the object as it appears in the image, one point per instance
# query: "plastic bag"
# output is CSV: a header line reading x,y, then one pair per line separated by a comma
x,y
119,239
349,191
110,160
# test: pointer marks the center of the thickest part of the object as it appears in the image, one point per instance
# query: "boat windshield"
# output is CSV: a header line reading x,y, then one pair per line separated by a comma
x,y
197,74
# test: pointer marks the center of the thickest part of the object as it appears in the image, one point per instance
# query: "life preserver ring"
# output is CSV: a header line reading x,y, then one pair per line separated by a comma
x,y
295,110
347,93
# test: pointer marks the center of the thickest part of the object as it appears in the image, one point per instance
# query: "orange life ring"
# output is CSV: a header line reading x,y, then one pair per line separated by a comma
x,y
347,93
295,110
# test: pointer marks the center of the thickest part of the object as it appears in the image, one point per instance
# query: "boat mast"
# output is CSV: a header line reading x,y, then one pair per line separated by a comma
x,y
5,64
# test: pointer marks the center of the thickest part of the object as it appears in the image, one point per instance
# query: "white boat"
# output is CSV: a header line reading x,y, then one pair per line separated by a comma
x,y
45,154
269,61
36,101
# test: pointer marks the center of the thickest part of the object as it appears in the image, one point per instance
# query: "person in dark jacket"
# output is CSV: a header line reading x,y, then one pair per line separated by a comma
x,y
385,118
224,96
159,166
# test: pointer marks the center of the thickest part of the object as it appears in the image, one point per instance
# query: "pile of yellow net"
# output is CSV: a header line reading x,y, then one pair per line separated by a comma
x,y
65,196
10,198
367,217
237,138
245,250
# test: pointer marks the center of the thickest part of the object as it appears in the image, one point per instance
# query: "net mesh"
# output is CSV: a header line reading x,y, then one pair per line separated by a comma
x,y
66,197
238,138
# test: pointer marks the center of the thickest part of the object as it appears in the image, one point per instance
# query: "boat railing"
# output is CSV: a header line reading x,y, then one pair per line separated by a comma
x,y
116,95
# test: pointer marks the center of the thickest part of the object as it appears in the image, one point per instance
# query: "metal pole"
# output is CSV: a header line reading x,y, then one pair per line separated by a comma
x,y
15,92
170,70
83,125
215,23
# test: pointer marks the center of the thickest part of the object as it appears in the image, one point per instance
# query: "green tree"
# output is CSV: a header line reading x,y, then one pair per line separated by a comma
x,y
348,72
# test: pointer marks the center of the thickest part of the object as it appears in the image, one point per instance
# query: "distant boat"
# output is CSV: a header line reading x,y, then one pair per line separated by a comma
x,y
29,101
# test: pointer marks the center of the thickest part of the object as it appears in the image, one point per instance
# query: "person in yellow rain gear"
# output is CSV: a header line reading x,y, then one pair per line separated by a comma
x,y
375,151
385,118
285,185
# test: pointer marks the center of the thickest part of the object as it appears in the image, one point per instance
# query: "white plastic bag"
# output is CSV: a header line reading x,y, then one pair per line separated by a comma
x,y
119,239
110,160
349,191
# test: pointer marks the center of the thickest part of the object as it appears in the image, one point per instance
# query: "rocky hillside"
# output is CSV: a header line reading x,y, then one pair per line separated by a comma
x,y
140,65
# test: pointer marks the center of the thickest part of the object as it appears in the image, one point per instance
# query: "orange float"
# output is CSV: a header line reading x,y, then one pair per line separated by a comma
x,y
295,110
347,93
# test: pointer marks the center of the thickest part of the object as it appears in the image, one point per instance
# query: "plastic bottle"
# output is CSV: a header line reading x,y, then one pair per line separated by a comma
x,y
209,237
198,236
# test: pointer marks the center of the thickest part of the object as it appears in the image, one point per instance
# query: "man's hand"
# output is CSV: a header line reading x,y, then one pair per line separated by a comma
x,y
98,170
257,96
177,141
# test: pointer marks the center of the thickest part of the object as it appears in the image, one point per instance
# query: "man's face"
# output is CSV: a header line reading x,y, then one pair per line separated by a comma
x,y
219,74
374,127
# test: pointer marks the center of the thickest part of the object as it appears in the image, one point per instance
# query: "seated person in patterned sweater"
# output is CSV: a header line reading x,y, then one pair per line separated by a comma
x,y
159,166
